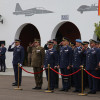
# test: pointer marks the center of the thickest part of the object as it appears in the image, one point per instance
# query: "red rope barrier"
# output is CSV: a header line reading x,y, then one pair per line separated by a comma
x,y
91,74
65,75
32,72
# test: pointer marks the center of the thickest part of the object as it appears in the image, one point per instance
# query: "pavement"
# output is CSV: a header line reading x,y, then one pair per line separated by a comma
x,y
8,92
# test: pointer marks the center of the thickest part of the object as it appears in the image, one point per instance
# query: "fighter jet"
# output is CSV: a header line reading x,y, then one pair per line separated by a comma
x,y
30,12
84,8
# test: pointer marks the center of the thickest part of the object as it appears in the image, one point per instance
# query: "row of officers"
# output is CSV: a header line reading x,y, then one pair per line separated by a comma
x,y
68,58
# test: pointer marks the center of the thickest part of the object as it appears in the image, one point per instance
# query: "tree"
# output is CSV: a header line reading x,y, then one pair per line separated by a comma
x,y
97,30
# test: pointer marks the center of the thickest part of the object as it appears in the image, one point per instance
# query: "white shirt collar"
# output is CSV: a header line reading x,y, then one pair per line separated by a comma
x,y
51,49
18,46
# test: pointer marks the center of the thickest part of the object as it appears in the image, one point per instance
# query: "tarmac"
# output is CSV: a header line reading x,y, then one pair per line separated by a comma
x,y
8,92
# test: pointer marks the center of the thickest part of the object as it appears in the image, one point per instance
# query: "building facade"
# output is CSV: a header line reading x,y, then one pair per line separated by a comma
x,y
46,20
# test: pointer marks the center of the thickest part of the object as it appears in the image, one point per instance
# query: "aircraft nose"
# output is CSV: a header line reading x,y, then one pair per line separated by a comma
x,y
49,11
78,9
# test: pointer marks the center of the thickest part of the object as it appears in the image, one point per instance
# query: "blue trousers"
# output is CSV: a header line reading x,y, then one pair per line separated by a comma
x,y
52,79
65,79
98,80
77,79
2,64
15,67
56,78
92,81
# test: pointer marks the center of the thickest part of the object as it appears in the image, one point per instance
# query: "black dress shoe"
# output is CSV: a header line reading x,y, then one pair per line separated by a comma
x,y
52,89
76,91
66,90
91,92
16,84
62,90
38,88
35,88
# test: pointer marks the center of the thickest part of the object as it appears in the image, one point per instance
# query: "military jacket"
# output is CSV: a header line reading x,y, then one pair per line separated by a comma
x,y
77,57
51,57
37,56
65,57
92,58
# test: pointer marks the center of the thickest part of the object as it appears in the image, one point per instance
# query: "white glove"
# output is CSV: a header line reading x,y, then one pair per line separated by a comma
x,y
12,43
20,65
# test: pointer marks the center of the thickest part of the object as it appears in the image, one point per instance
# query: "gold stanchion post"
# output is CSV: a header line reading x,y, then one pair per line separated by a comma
x,y
18,80
49,91
82,93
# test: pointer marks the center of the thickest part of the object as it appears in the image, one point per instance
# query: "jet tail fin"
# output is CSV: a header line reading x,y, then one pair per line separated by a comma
x,y
18,7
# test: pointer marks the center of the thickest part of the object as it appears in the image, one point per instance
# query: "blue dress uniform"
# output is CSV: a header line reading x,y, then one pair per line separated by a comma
x,y
56,47
77,61
84,63
51,57
92,60
2,58
65,60
98,72
18,57
72,78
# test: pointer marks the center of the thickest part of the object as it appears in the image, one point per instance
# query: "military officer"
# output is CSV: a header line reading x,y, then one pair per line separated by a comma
x,y
77,62
37,63
65,61
84,50
18,57
92,61
51,57
56,47
2,57
73,47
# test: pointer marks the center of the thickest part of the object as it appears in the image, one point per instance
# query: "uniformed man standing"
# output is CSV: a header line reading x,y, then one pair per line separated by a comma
x,y
37,63
72,79
65,62
18,57
51,57
77,62
92,62
57,48
84,50
2,57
